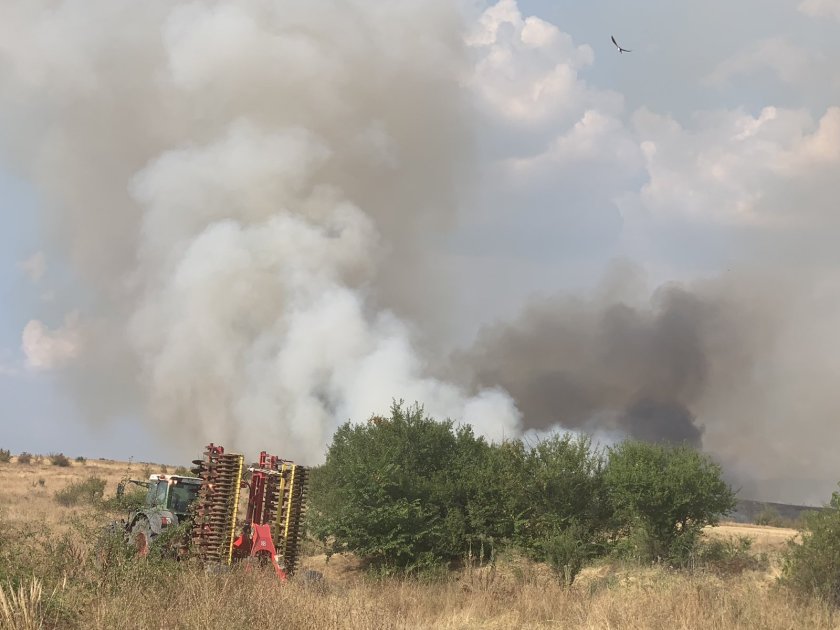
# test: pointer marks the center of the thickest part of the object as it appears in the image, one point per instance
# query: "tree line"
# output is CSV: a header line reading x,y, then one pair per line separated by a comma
x,y
408,492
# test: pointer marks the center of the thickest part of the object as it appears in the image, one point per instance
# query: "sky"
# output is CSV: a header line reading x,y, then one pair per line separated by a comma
x,y
250,222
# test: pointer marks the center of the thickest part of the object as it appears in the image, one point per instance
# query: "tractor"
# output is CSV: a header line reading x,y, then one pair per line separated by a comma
x,y
270,532
168,502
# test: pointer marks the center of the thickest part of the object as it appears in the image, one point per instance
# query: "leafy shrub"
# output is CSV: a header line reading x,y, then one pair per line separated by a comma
x,y
5,456
566,551
89,492
183,471
172,543
408,492
81,460
812,566
394,491
669,493
24,458
564,489
728,556
131,499
59,459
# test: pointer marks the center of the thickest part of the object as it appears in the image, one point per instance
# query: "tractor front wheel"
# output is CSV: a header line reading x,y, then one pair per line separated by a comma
x,y
141,537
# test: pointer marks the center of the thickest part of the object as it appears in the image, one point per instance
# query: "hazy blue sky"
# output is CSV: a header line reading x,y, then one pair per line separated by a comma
x,y
711,145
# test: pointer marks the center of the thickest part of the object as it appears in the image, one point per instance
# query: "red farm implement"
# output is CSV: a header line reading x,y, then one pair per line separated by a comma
x,y
276,504
211,501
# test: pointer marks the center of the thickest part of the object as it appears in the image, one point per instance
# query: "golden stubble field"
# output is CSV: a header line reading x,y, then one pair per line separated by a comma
x,y
515,593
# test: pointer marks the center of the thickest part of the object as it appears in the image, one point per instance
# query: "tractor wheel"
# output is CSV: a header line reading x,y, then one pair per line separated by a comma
x,y
141,537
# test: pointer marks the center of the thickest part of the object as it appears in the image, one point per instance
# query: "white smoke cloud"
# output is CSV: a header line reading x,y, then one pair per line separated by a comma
x,y
246,190
47,349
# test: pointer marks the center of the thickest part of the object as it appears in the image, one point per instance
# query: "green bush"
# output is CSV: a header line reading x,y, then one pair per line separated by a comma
x,y
397,492
728,556
132,499
566,551
564,488
408,492
81,460
812,566
88,492
663,496
5,456
59,459
24,458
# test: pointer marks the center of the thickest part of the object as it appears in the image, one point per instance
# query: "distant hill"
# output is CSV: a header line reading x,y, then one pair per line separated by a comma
x,y
747,511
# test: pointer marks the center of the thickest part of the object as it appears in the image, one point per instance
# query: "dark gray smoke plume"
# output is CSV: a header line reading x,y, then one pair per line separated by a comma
x,y
736,365
604,364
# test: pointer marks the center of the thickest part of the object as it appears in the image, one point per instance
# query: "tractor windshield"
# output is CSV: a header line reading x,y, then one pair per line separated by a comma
x,y
181,496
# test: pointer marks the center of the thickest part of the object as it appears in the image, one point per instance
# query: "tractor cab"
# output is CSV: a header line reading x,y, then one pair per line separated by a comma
x,y
172,493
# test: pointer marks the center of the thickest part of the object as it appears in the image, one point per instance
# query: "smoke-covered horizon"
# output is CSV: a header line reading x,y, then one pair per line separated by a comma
x,y
255,202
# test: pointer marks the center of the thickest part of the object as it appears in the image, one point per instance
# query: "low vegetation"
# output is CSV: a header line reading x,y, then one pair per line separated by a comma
x,y
59,459
812,565
5,456
420,523
24,458
89,492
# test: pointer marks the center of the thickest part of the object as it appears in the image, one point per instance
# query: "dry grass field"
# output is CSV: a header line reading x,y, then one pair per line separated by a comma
x,y
78,591
27,490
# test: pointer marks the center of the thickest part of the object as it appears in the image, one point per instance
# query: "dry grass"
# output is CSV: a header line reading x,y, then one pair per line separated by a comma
x,y
24,499
515,593
21,608
649,598
765,539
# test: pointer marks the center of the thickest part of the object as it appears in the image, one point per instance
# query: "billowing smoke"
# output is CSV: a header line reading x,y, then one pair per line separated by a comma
x,y
252,207
244,190
737,365
604,364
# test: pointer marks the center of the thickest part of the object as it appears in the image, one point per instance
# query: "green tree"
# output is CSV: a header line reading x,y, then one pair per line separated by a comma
x,y
393,491
663,495
407,492
566,485
812,566
568,512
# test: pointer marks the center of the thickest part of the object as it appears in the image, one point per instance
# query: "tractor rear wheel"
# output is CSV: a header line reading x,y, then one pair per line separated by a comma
x,y
141,537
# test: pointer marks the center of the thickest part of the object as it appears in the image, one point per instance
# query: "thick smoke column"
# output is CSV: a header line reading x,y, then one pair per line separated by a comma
x,y
251,204
244,189
604,364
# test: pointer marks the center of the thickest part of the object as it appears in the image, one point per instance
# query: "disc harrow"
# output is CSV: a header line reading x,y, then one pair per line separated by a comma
x,y
292,492
272,527
217,504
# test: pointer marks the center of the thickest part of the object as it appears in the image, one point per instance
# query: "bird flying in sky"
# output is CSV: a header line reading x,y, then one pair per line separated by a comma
x,y
620,49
